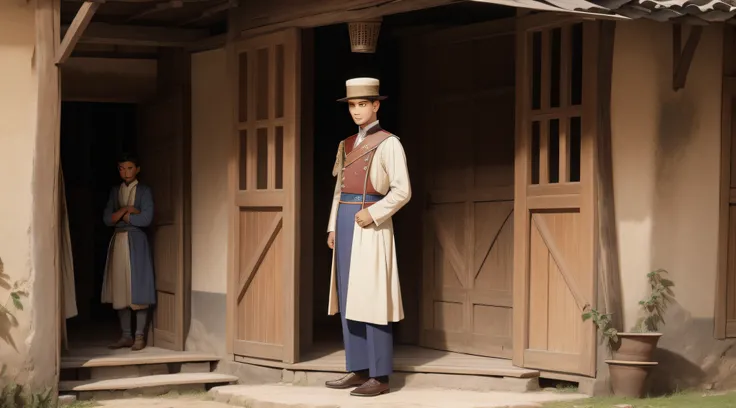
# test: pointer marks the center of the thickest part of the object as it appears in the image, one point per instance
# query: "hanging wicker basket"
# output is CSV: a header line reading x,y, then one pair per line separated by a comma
x,y
364,35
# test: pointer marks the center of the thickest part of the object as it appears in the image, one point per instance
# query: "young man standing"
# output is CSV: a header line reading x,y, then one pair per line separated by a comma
x,y
129,282
372,185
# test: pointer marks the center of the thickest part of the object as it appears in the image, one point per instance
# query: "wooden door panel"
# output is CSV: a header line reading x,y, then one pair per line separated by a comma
x,y
469,177
262,290
161,147
554,267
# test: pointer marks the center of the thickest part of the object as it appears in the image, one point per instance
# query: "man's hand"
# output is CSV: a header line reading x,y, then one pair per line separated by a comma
x,y
132,210
119,214
363,218
126,217
331,240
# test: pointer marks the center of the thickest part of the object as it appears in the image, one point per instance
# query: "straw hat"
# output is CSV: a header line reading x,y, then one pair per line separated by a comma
x,y
362,88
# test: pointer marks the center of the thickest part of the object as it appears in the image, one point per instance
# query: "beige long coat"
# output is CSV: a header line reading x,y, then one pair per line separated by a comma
x,y
374,294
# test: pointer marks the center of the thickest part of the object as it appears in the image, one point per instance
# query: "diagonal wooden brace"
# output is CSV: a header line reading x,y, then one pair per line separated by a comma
x,y
76,29
682,58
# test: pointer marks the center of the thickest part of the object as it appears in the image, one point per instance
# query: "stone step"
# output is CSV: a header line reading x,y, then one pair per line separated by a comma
x,y
144,385
289,396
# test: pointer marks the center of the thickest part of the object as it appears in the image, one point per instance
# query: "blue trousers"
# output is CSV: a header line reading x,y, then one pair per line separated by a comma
x,y
367,346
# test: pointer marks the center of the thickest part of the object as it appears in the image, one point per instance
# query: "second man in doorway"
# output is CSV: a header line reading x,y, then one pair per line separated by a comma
x,y
129,282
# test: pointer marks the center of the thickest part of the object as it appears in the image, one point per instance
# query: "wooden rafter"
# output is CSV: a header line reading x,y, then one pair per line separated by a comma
x,y
222,7
173,4
682,58
76,29
100,33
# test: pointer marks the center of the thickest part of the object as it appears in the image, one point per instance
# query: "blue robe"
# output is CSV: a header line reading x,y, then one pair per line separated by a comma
x,y
142,279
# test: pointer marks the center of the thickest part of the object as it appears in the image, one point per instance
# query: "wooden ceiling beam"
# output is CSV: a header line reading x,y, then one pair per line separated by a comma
x,y
173,4
76,29
100,33
227,5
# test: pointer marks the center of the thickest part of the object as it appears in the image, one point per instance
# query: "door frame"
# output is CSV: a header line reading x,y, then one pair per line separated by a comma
x,y
722,330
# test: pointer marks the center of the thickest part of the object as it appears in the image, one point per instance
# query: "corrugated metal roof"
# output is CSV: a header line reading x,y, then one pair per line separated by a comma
x,y
685,11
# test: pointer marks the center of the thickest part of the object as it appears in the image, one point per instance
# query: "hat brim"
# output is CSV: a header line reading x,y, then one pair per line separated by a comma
x,y
370,98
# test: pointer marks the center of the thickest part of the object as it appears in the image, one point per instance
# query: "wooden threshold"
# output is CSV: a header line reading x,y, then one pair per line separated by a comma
x,y
103,357
408,359
146,382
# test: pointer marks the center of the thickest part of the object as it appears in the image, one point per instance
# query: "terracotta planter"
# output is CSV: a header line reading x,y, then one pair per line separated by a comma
x,y
628,378
635,346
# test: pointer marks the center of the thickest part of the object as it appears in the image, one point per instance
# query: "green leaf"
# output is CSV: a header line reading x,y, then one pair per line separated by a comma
x,y
17,303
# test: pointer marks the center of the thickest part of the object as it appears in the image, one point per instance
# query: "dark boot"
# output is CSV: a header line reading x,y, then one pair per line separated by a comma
x,y
122,343
371,388
139,344
348,381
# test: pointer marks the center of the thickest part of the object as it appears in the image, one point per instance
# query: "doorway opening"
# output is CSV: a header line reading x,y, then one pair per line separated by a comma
x,y
454,241
93,135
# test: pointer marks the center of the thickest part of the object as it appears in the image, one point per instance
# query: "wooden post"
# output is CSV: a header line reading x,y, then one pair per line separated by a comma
x,y
608,257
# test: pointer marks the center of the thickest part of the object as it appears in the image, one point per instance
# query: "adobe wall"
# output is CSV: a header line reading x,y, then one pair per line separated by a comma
x,y
666,154
28,223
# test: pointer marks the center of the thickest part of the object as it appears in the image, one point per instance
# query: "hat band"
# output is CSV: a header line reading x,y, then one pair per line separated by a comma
x,y
362,90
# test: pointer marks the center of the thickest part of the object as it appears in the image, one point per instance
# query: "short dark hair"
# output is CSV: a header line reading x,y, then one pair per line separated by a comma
x,y
128,157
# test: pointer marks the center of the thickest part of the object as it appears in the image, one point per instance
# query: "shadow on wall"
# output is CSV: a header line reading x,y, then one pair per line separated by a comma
x,y
690,357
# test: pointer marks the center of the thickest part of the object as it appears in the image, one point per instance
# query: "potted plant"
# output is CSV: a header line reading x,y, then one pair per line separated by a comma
x,y
631,352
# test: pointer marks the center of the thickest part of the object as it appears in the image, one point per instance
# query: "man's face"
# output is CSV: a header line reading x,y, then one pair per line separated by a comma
x,y
128,171
363,111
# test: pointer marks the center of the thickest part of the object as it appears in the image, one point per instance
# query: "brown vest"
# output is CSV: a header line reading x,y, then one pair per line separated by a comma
x,y
357,161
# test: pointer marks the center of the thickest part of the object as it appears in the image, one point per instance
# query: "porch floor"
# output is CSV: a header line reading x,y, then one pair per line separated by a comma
x,y
408,359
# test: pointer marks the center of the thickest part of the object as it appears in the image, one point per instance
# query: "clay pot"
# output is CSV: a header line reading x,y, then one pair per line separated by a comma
x,y
635,346
628,378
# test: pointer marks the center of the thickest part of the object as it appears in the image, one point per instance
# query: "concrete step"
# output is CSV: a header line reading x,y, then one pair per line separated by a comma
x,y
289,396
145,385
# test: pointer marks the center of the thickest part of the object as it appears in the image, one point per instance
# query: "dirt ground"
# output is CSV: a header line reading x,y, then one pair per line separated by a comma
x,y
197,401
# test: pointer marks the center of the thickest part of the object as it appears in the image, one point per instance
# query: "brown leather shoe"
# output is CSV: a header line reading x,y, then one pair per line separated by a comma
x,y
139,344
350,380
122,343
371,388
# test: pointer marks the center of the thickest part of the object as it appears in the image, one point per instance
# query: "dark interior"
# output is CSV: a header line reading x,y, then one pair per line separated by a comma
x,y
92,137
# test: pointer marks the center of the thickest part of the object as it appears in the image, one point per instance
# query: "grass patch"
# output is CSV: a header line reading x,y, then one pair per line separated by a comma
x,y
681,400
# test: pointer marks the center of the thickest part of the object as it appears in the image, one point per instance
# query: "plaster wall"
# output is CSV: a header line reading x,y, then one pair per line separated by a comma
x,y
666,156
17,141
211,131
28,224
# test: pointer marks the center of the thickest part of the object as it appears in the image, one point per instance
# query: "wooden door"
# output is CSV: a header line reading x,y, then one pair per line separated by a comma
x,y
725,313
160,144
469,178
265,197
554,268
